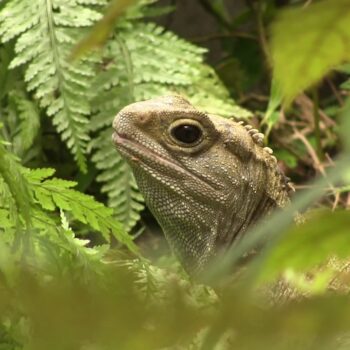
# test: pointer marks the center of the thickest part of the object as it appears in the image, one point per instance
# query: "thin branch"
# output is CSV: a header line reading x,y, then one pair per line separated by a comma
x,y
257,10
208,6
336,93
316,115
234,34
317,164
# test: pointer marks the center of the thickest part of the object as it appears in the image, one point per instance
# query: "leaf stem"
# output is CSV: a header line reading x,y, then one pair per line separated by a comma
x,y
210,8
128,65
317,131
258,12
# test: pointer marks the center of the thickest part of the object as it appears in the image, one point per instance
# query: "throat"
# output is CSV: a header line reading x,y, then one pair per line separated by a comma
x,y
238,217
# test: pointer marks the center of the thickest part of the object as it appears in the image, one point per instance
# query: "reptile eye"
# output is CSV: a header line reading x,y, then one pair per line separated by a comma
x,y
187,133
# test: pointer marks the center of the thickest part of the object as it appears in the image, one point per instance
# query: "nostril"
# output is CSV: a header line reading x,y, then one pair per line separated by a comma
x,y
143,118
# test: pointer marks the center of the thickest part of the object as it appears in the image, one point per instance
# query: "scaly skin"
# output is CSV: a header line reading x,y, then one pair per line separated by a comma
x,y
206,193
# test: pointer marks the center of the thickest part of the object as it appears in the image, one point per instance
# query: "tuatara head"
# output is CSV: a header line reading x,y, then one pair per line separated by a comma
x,y
205,178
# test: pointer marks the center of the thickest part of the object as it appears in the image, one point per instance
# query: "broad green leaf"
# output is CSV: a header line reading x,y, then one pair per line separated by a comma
x,y
271,116
273,229
307,42
344,68
325,235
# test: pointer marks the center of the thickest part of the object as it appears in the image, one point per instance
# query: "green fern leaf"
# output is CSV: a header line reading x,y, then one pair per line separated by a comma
x,y
57,193
28,231
45,32
28,124
5,221
45,200
119,182
14,190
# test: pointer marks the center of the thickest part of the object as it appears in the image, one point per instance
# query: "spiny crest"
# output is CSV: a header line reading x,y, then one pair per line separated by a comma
x,y
258,139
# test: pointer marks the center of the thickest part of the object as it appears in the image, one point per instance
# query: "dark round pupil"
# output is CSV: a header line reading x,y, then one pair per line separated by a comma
x,y
187,133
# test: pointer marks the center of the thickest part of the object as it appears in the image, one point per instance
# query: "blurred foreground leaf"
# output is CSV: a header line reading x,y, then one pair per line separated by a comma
x,y
273,229
272,114
327,234
102,29
304,53
109,313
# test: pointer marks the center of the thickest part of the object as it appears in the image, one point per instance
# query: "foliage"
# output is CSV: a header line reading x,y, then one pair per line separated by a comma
x,y
325,30
102,29
81,104
295,249
30,206
44,35
104,316
71,277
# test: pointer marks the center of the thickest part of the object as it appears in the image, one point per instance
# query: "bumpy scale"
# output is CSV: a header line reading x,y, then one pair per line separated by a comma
x,y
206,179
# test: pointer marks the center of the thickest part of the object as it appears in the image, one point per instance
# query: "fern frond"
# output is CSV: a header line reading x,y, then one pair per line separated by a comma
x,y
28,196
5,221
143,62
160,59
44,32
14,193
27,122
57,193
30,231
79,248
119,181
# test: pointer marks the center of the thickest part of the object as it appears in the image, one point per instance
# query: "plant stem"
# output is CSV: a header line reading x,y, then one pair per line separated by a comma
x,y
317,123
128,65
210,8
258,12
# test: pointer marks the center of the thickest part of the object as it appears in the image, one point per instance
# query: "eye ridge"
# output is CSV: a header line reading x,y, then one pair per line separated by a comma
x,y
187,133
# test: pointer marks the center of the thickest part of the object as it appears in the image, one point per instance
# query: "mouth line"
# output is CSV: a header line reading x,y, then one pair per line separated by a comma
x,y
119,138
133,150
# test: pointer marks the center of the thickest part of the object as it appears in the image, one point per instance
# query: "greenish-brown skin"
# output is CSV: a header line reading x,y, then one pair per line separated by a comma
x,y
206,179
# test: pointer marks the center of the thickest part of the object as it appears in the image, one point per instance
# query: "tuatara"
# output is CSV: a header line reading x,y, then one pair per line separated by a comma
x,y
206,179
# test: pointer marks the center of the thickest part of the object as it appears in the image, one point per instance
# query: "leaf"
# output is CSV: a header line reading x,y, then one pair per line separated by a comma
x,y
45,200
15,181
119,183
5,221
274,228
40,173
57,193
102,29
44,32
288,158
304,52
29,122
325,235
272,115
